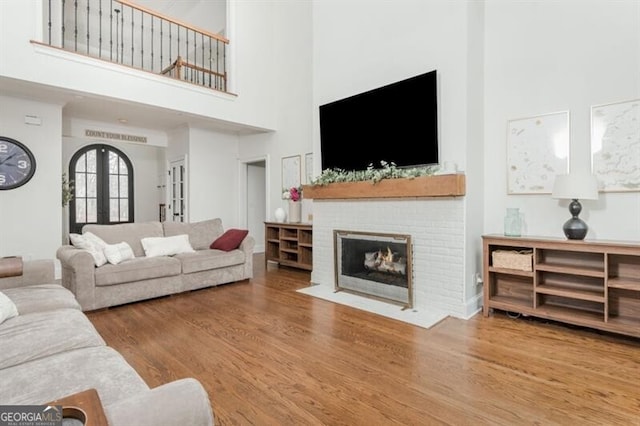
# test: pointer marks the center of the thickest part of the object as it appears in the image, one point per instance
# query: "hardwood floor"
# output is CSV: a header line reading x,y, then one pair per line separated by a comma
x,y
268,355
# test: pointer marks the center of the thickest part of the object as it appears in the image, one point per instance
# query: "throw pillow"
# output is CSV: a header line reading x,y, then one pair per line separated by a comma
x,y
166,246
7,308
90,243
230,240
117,253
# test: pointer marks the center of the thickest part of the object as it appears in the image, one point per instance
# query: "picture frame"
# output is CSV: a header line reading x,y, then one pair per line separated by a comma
x,y
537,151
308,168
615,146
291,173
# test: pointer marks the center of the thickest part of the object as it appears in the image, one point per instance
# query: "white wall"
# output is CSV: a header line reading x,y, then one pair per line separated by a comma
x,y
31,215
291,26
548,56
213,177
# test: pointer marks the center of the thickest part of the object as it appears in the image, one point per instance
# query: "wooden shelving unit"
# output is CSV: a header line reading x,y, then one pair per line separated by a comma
x,y
587,283
289,244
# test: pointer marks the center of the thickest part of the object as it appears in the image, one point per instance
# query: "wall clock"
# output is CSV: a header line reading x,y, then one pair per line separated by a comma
x,y
17,163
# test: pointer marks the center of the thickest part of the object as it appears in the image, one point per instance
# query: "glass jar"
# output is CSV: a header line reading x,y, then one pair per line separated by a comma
x,y
512,223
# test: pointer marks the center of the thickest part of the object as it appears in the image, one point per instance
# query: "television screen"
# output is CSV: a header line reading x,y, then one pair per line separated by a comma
x,y
396,123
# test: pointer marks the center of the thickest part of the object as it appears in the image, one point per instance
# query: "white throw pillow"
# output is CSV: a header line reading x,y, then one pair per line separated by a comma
x,y
117,253
7,308
92,243
166,246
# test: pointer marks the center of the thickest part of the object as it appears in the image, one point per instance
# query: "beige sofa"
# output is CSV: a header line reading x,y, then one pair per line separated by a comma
x,y
147,277
50,350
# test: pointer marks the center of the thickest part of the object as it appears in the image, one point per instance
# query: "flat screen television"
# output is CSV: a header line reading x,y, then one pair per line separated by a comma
x,y
394,123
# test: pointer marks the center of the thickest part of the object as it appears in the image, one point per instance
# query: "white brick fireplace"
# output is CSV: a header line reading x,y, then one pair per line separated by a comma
x,y
437,230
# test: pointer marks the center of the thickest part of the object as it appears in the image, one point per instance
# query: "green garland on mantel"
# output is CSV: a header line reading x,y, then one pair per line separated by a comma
x,y
387,171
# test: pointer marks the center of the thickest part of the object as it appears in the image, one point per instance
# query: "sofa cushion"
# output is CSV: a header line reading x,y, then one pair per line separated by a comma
x,y
166,246
42,297
204,260
38,335
118,253
201,234
91,243
8,308
51,378
131,233
140,268
230,240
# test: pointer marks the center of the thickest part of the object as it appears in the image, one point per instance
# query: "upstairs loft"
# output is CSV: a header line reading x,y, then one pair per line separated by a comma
x,y
125,33
97,87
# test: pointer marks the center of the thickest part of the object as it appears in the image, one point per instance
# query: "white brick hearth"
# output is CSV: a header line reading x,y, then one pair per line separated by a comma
x,y
437,230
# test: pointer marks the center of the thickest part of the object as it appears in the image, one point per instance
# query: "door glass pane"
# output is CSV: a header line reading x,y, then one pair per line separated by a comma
x,y
91,161
114,210
113,186
113,163
81,210
81,163
124,186
123,167
92,210
124,209
81,185
92,185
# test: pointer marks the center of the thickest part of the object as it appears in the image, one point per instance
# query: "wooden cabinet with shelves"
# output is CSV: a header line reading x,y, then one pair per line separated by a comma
x,y
289,244
587,283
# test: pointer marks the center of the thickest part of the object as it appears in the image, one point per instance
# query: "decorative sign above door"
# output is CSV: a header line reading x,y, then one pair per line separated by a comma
x,y
115,136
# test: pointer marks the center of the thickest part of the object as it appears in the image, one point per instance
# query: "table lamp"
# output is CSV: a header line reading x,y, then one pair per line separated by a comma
x,y
575,186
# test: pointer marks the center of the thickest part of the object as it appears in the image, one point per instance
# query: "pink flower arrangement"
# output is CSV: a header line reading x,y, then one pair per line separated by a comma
x,y
294,194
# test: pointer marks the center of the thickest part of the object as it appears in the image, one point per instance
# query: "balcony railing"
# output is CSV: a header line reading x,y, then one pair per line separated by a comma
x,y
122,32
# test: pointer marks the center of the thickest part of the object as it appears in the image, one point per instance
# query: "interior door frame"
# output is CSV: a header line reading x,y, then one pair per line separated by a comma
x,y
171,164
243,188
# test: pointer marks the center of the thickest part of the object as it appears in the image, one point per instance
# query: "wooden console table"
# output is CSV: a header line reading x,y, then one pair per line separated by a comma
x,y
588,283
289,244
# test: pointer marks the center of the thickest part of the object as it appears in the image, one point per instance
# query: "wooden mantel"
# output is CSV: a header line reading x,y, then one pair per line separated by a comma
x,y
452,185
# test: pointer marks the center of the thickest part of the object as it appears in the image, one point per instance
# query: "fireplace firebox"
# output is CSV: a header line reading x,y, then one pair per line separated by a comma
x,y
376,265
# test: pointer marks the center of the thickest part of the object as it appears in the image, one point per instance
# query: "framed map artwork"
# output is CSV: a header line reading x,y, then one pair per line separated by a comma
x,y
615,146
537,151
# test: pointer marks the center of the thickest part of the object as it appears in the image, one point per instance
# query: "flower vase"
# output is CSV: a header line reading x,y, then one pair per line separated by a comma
x,y
295,211
512,223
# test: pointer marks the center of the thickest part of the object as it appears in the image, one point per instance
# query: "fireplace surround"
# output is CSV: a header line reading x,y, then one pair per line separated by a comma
x,y
417,207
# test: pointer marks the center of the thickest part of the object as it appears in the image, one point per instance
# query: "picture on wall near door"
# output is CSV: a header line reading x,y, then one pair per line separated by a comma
x,y
537,151
308,168
291,172
615,146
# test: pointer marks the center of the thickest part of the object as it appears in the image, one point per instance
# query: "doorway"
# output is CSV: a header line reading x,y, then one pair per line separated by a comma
x,y
254,204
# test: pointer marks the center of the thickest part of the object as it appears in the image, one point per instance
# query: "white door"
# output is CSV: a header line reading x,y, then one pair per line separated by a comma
x,y
178,191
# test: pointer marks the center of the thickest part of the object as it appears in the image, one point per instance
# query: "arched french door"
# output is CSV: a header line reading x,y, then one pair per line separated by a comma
x,y
103,181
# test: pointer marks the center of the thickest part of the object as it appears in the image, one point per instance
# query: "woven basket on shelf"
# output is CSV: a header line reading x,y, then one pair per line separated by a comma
x,y
521,260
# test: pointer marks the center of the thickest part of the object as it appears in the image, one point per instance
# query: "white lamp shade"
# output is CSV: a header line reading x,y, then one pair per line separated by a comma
x,y
576,186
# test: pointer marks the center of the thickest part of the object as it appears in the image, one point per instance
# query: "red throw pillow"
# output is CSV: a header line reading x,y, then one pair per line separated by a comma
x,y
230,240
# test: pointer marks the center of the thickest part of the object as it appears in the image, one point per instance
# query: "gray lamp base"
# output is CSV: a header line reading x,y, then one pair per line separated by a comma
x,y
575,228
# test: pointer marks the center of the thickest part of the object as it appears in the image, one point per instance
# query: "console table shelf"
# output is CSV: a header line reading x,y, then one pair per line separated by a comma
x,y
289,244
587,283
